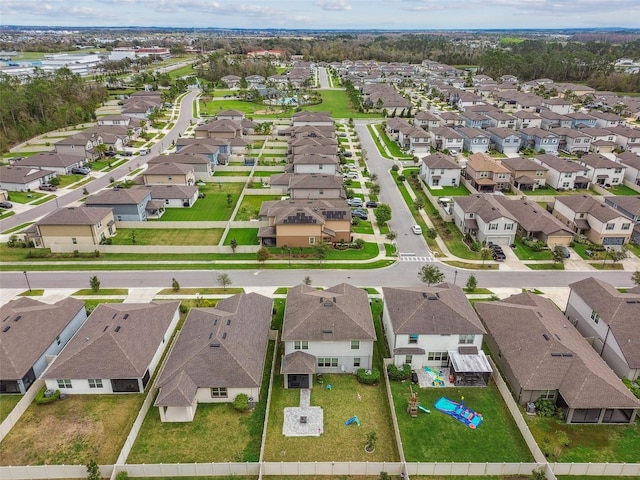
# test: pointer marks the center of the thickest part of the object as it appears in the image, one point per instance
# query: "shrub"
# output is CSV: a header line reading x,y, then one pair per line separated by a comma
x,y
183,308
42,400
545,407
359,243
397,374
401,178
634,387
395,168
368,377
241,402
106,241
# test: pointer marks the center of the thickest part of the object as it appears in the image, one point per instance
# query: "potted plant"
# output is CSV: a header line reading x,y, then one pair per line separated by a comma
x,y
370,446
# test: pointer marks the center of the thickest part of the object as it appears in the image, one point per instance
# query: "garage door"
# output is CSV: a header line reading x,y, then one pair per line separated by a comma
x,y
613,241
504,241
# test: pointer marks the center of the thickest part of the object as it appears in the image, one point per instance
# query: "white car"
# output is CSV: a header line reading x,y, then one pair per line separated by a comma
x,y
417,229
351,175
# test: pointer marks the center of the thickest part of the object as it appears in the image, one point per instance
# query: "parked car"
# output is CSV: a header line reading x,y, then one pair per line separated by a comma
x,y
359,214
110,153
352,166
348,154
48,187
566,252
355,202
371,204
81,170
499,256
417,229
144,151
351,175
6,205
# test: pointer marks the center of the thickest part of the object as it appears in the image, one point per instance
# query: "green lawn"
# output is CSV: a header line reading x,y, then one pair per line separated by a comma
x,y
221,173
213,207
436,437
364,226
250,206
525,253
337,103
381,149
587,443
622,190
244,236
169,236
25,197
66,180
7,402
102,291
459,191
545,266
552,191
298,254
393,147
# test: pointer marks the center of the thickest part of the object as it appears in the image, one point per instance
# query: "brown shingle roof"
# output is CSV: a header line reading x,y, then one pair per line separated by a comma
x,y
341,312
218,347
120,196
75,216
27,339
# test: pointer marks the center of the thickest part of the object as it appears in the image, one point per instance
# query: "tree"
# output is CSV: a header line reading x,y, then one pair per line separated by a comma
x,y
618,254
262,255
392,235
430,274
234,245
175,286
307,280
101,149
93,471
322,250
229,200
635,277
224,280
418,204
472,283
485,254
132,237
374,189
94,283
558,254
383,214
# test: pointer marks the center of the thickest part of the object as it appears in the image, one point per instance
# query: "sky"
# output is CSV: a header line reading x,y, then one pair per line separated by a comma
x,y
325,14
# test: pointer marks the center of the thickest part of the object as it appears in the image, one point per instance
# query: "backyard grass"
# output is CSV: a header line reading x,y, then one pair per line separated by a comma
x,y
459,191
553,192
525,253
72,432
226,173
439,438
217,434
213,207
250,206
7,403
622,190
169,236
587,443
244,236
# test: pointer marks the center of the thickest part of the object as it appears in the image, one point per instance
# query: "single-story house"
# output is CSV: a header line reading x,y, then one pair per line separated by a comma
x,y
23,179
60,163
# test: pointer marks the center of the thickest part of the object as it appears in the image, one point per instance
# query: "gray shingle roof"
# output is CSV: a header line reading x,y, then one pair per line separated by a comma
x,y
75,216
532,217
52,160
440,160
21,175
580,203
120,196
217,347
19,346
545,352
484,206
118,340
438,310
341,312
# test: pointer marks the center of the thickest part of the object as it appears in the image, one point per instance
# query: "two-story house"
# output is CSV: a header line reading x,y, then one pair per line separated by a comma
x,y
326,331
629,206
563,174
526,119
601,170
631,162
627,138
599,222
435,327
571,140
446,138
427,121
486,175
169,174
525,173
440,170
539,139
602,140
73,226
414,139
127,204
474,140
483,217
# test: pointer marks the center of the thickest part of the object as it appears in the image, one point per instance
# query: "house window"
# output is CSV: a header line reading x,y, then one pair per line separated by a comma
x,y
64,383
413,338
320,167
321,192
484,174
595,317
502,176
466,339
567,175
312,240
74,240
611,226
355,344
408,359
626,226
327,362
219,392
548,395
493,226
508,226
356,361
169,178
95,383
442,356
617,170
99,223
301,345
539,173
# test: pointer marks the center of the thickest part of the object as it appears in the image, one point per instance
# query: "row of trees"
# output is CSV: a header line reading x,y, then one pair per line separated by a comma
x,y
45,102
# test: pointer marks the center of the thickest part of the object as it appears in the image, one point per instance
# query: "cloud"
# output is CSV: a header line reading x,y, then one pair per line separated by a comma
x,y
332,5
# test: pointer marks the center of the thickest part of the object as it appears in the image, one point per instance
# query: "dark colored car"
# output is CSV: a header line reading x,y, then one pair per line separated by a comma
x,y
6,205
499,256
359,214
110,153
371,204
495,247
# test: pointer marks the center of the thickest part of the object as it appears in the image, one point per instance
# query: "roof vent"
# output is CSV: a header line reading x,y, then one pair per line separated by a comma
x,y
556,354
546,337
224,335
105,328
126,315
6,329
328,303
432,297
17,318
328,332
114,315
210,335
228,321
214,345
117,329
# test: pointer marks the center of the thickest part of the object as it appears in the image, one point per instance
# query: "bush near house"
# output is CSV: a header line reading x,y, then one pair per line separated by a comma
x,y
368,377
398,374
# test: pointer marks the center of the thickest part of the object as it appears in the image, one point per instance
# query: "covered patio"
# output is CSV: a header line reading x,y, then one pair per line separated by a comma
x,y
469,367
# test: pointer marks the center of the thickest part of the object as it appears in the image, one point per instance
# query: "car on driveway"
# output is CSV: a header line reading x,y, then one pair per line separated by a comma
x,y
566,252
499,256
371,204
81,170
417,229
361,214
355,202
6,205
351,175
48,187
110,153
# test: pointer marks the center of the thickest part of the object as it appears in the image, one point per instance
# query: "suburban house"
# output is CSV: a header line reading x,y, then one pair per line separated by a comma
x,y
486,175
117,349
235,115
627,138
498,119
601,170
169,196
446,138
315,163
436,327
542,355
440,170
563,174
127,204
201,163
303,186
303,223
219,129
606,119
427,121
526,119
557,105
525,173
597,221
571,140
631,162
23,354
60,163
535,222
540,140
609,320
80,145
169,174
474,140
414,139
504,140
483,217
73,226
23,179
580,120
332,327
219,353
629,206
602,140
